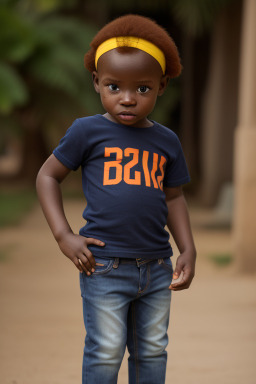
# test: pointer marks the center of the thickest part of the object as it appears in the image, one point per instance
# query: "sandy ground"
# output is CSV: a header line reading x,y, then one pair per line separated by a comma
x,y
212,327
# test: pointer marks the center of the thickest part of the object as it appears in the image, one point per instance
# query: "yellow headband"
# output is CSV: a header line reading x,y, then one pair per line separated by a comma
x,y
133,42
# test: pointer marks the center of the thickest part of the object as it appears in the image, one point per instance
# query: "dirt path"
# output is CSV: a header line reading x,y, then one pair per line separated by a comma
x,y
212,327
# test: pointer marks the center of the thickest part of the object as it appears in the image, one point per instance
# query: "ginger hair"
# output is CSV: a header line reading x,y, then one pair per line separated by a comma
x,y
138,26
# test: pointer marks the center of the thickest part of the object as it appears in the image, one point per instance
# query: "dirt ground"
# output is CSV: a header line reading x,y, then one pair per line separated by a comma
x,y
212,326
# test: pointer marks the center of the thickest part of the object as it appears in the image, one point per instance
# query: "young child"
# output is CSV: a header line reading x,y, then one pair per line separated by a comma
x,y
132,172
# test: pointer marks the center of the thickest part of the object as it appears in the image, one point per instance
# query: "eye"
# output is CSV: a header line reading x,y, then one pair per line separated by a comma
x,y
143,89
113,87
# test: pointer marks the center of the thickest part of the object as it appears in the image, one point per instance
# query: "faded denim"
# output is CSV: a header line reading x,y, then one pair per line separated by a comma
x,y
126,302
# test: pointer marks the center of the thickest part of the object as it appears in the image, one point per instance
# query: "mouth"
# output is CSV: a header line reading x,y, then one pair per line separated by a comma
x,y
125,115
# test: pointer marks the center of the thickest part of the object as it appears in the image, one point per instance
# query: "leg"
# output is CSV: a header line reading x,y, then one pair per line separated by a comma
x,y
105,317
148,320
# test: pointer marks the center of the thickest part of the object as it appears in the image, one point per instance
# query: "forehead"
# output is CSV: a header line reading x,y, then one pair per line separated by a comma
x,y
129,61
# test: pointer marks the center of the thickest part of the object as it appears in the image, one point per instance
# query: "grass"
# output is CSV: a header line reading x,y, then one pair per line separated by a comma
x,y
3,255
5,252
221,259
14,205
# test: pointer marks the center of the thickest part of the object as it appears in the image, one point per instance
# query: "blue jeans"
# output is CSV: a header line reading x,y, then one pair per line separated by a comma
x,y
126,302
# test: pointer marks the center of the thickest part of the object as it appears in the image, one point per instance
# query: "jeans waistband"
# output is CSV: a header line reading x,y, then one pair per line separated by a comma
x,y
137,261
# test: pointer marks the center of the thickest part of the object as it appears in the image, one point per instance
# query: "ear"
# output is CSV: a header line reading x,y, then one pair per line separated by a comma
x,y
163,84
95,79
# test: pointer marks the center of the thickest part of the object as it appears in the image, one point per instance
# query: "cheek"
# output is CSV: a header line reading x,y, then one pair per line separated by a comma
x,y
107,101
104,98
150,103
103,95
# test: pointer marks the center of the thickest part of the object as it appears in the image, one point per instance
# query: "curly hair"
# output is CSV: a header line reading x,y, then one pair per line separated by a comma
x,y
142,27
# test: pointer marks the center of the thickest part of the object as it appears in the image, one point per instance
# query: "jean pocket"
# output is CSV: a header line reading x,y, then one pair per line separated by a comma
x,y
103,265
166,263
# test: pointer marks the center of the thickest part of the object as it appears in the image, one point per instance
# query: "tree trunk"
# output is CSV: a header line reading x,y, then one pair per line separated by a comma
x,y
34,154
34,151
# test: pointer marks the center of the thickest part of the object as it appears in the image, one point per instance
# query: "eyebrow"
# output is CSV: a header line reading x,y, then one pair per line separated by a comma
x,y
119,81
108,79
144,81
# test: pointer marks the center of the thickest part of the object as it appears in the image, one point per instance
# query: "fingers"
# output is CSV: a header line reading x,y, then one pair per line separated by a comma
x,y
77,263
91,240
80,266
177,276
178,269
86,265
75,247
181,281
86,260
184,272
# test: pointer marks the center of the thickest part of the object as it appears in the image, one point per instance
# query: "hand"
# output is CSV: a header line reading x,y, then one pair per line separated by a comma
x,y
184,271
75,247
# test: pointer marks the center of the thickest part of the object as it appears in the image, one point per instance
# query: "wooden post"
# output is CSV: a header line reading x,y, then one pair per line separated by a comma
x,y
245,147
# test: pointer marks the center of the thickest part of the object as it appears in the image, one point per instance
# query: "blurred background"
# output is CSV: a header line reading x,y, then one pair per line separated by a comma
x,y
44,87
211,106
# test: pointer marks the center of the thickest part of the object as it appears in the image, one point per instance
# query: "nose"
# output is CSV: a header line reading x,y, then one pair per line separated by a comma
x,y
128,98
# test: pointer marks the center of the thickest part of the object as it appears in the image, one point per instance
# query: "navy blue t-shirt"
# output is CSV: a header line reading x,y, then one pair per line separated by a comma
x,y
124,170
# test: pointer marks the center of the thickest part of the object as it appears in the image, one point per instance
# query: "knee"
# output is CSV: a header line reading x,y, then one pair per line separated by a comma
x,y
149,348
107,350
153,349
112,350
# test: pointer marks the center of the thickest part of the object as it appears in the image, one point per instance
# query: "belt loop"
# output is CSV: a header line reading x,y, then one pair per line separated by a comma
x,y
116,262
139,262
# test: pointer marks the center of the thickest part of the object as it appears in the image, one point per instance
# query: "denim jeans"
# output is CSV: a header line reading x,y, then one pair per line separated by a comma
x,y
126,302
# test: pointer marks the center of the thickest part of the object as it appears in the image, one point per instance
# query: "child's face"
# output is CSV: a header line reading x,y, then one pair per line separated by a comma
x,y
129,82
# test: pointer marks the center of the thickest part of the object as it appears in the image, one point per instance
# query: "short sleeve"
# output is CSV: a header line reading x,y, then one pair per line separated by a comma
x,y
176,172
72,148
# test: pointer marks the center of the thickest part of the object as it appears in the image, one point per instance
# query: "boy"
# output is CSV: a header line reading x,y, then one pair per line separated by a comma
x,y
132,170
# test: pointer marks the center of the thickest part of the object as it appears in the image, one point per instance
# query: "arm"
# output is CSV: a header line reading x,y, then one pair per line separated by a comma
x,y
52,173
179,225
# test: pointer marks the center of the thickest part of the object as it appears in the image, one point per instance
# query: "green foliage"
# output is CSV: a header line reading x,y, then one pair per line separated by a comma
x,y
13,91
17,37
44,6
58,60
221,259
3,255
6,251
41,50
14,205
